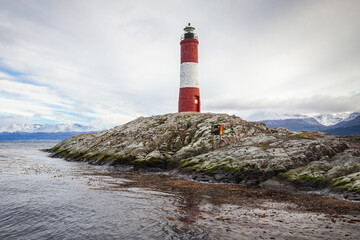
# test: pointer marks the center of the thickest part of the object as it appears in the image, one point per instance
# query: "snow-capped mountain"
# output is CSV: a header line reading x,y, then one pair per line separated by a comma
x,y
343,124
309,124
326,119
352,116
334,118
53,128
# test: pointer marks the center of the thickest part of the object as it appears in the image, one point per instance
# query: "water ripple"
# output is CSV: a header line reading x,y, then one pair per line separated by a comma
x,y
46,198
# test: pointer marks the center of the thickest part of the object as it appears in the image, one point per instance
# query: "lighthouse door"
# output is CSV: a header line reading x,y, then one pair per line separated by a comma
x,y
197,103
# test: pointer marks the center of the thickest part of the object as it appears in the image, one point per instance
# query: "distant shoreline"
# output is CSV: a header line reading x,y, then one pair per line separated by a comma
x,y
38,136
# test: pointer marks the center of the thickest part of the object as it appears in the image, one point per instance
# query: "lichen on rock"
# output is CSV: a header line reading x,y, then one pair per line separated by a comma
x,y
339,172
164,138
249,153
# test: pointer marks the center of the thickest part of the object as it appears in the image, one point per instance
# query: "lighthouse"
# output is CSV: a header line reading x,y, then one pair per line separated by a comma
x,y
189,94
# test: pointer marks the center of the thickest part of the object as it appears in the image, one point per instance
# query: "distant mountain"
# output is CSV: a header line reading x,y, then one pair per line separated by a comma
x,y
344,131
349,125
23,136
27,132
49,128
345,128
330,119
326,119
308,124
352,116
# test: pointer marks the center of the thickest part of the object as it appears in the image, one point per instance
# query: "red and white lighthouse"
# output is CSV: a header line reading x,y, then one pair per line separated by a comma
x,y
189,96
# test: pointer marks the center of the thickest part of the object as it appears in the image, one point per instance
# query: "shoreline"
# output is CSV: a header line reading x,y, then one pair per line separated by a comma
x,y
250,153
274,184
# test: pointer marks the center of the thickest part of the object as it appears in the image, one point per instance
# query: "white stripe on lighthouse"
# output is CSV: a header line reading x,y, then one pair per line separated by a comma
x,y
189,75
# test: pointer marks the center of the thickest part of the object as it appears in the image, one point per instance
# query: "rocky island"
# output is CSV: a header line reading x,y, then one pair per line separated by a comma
x,y
250,153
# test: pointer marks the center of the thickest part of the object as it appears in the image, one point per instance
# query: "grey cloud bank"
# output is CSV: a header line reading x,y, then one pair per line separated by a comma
x,y
316,103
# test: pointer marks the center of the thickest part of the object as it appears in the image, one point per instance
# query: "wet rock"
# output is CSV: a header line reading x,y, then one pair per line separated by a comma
x,y
341,173
203,178
223,177
250,183
276,185
351,196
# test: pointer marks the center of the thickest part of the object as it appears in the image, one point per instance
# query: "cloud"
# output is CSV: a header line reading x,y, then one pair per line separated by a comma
x,y
314,104
109,63
10,119
33,93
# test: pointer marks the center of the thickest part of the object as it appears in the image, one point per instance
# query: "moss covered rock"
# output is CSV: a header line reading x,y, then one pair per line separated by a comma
x,y
158,140
249,152
340,172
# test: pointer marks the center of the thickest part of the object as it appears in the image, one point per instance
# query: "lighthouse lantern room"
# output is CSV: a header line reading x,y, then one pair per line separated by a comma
x,y
189,95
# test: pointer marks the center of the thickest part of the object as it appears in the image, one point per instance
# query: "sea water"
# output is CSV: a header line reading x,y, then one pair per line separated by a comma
x,y
50,198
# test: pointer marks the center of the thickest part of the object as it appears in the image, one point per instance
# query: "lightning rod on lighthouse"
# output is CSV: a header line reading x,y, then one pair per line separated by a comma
x,y
189,95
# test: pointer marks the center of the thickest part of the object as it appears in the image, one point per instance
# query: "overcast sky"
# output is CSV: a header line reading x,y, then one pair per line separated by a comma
x,y
103,63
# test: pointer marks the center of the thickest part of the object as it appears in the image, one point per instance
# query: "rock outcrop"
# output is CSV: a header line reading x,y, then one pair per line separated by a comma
x,y
250,152
158,140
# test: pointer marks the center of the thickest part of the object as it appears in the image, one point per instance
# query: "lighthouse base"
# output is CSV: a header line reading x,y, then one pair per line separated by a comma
x,y
189,99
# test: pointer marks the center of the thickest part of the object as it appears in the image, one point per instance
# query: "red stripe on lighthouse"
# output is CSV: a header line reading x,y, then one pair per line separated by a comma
x,y
189,100
189,50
